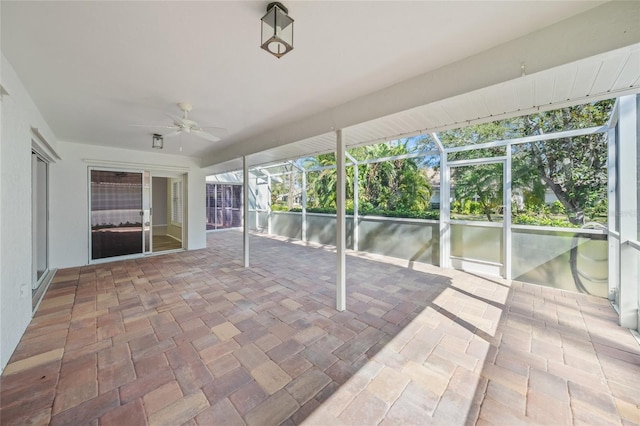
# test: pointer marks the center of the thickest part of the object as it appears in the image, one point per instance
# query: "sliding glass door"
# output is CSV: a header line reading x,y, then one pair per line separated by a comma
x,y
116,213
40,216
146,212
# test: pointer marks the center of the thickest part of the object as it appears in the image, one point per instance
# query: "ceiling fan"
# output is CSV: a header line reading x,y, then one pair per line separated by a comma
x,y
185,125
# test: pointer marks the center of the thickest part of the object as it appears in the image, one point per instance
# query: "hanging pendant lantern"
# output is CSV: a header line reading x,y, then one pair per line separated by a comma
x,y
157,142
277,30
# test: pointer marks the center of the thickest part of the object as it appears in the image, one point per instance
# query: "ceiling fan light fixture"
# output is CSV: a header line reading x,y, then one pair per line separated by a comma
x,y
277,30
157,142
182,125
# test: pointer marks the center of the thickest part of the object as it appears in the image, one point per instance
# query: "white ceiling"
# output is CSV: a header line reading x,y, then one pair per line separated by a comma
x,y
94,68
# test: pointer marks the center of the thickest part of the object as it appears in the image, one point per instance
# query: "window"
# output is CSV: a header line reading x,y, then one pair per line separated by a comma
x,y
176,202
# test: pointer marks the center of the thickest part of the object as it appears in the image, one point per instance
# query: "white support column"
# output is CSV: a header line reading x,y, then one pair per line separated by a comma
x,y
341,237
304,205
303,224
356,226
445,205
506,213
269,206
445,213
628,213
255,206
613,236
245,208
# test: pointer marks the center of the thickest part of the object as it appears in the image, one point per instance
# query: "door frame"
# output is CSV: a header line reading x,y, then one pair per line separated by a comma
x,y
183,176
503,269
90,236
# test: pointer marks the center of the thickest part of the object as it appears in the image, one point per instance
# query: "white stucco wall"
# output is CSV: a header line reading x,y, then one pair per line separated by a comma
x,y
68,201
2,364
19,115
69,215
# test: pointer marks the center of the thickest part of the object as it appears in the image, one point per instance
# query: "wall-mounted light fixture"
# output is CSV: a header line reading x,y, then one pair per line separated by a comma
x,y
277,30
157,141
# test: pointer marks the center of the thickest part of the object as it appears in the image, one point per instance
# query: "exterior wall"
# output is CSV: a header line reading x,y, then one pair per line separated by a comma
x,y
409,239
196,233
262,192
18,115
638,186
258,221
259,202
414,240
544,258
289,225
321,229
539,256
70,197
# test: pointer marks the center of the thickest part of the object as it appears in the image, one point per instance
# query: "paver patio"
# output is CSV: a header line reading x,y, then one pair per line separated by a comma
x,y
195,338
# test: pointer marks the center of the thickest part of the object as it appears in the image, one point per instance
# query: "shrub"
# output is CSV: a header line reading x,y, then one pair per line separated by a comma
x,y
599,209
409,214
557,208
475,207
527,219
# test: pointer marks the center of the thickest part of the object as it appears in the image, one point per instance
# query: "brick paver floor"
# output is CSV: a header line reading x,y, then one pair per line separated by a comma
x,y
194,338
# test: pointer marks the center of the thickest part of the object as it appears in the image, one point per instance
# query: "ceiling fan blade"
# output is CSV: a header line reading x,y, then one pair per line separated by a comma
x,y
216,131
154,126
205,135
178,121
185,125
170,134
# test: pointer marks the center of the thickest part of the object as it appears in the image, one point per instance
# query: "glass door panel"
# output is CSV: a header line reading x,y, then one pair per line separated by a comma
x,y
219,207
211,206
40,219
226,221
116,214
236,220
146,208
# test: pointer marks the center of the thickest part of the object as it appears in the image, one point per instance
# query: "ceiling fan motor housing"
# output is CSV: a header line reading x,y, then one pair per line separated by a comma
x,y
184,107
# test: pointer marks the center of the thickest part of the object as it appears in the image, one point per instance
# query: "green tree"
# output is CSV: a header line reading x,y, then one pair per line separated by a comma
x,y
388,185
574,169
321,185
394,185
478,183
482,184
277,189
286,185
